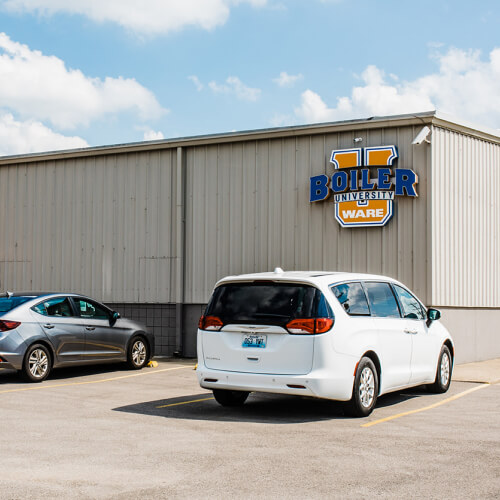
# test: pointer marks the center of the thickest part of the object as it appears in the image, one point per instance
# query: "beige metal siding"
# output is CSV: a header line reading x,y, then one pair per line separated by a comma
x,y
96,225
248,210
466,220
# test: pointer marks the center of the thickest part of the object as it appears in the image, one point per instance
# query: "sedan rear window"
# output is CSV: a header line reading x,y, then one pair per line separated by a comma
x,y
9,303
266,303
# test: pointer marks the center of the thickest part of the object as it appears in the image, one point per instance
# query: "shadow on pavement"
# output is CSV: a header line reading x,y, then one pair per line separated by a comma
x,y
8,376
259,408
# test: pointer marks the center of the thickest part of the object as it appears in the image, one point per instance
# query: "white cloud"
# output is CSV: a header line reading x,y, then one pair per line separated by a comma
x,y
152,17
282,120
286,80
234,85
199,86
42,87
31,136
464,86
151,135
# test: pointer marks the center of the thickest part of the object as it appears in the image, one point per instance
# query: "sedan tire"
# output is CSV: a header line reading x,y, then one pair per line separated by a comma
x,y
37,363
138,353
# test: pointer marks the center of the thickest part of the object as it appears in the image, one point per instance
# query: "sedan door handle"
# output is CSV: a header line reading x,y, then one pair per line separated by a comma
x,y
48,326
411,332
89,328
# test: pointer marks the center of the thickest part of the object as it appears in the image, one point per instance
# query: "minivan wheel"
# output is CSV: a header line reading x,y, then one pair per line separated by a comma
x,y
365,390
230,398
138,353
443,372
37,363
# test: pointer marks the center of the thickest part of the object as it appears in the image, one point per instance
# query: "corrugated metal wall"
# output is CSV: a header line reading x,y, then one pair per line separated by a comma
x,y
248,210
108,225
465,220
97,225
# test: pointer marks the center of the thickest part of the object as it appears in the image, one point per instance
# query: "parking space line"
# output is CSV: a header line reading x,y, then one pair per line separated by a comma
x,y
111,379
185,402
425,408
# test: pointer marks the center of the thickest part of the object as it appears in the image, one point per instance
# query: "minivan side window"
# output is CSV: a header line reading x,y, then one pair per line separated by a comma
x,y
352,298
411,306
382,301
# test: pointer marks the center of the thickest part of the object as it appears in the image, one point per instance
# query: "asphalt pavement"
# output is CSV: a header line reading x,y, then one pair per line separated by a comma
x,y
105,432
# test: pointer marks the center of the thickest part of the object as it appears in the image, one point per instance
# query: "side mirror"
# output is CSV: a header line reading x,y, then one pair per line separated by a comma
x,y
433,314
113,318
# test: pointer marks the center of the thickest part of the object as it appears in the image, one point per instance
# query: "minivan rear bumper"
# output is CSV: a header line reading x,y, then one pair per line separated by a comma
x,y
320,383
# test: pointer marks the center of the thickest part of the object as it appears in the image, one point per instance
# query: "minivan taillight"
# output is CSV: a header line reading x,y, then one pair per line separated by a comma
x,y
210,323
6,325
310,326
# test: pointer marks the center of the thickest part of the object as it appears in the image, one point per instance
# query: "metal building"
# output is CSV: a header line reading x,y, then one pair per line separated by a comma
x,y
149,227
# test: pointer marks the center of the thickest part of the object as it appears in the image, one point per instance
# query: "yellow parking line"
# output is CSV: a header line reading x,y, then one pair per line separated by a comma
x,y
425,408
184,402
111,379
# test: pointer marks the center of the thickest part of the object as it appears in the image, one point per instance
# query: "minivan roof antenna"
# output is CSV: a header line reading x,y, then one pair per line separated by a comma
x,y
278,270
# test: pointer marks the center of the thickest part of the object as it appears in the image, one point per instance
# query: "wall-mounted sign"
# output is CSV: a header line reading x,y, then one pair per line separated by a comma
x,y
364,185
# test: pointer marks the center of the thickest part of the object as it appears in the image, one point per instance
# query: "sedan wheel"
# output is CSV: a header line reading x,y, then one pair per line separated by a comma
x,y
37,363
138,353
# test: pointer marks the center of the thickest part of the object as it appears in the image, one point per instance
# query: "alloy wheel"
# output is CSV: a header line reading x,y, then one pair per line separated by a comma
x,y
445,369
366,387
38,363
138,353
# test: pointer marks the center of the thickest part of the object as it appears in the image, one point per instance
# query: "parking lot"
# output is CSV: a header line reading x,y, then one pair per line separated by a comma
x,y
105,432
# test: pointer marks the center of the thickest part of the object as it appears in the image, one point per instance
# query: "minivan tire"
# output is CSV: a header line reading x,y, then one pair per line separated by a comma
x,y
443,372
365,390
230,398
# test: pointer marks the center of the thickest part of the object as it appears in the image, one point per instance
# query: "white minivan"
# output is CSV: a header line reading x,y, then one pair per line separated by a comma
x,y
341,336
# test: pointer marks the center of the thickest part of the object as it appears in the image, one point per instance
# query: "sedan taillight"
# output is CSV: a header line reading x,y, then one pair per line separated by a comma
x,y
309,326
6,325
210,323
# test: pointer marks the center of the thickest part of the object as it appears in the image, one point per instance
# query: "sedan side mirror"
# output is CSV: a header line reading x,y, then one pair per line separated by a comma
x,y
113,318
433,314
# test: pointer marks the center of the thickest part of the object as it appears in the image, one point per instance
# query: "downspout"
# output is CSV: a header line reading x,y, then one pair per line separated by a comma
x,y
180,238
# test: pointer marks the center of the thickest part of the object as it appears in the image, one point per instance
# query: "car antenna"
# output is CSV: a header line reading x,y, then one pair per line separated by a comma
x,y
278,270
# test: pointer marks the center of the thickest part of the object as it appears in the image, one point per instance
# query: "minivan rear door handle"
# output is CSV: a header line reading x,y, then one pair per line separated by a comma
x,y
411,332
90,328
48,326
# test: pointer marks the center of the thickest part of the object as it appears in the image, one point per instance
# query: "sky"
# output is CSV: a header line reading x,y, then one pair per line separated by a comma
x,y
78,73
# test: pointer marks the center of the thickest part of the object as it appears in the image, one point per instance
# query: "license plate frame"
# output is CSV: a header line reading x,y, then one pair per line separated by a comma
x,y
254,340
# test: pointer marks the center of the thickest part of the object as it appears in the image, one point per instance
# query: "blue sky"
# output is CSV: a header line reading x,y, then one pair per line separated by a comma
x,y
94,72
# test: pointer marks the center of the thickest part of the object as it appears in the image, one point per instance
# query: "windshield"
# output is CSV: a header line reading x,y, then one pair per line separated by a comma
x,y
9,303
266,303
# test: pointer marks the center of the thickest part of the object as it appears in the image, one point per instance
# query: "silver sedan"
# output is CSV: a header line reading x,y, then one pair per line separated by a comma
x,y
41,331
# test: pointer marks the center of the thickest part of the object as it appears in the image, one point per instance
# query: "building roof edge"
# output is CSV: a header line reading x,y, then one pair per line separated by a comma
x,y
424,118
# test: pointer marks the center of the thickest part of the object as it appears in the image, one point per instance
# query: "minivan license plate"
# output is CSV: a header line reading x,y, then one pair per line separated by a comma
x,y
254,341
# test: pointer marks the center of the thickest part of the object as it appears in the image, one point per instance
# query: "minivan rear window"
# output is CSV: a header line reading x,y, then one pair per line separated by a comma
x,y
266,303
9,303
